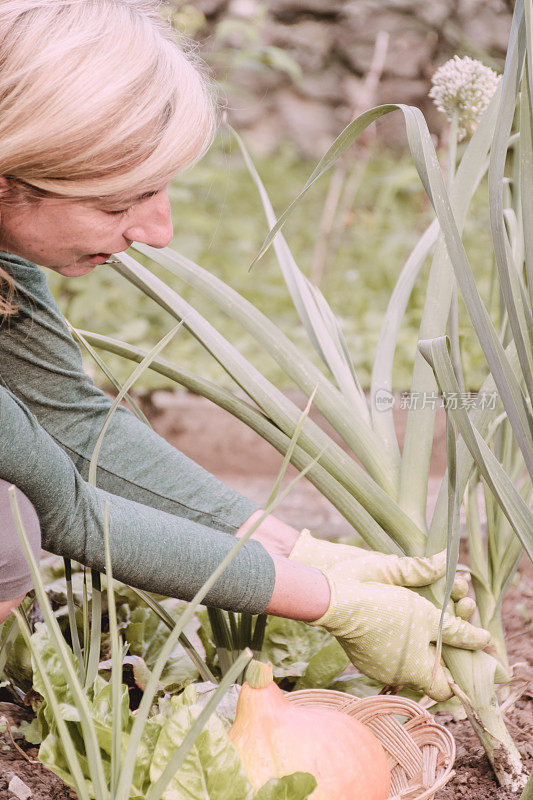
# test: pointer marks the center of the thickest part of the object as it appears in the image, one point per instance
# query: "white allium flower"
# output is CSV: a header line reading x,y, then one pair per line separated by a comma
x,y
464,85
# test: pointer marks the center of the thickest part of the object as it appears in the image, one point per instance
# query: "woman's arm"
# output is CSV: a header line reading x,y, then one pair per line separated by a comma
x,y
41,364
150,549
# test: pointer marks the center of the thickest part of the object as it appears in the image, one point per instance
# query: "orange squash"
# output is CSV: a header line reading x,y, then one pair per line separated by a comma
x,y
276,737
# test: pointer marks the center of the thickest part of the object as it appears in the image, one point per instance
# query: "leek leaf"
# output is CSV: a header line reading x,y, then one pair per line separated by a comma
x,y
515,509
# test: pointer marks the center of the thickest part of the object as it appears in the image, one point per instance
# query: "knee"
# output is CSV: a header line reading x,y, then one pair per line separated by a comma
x,y
7,606
15,577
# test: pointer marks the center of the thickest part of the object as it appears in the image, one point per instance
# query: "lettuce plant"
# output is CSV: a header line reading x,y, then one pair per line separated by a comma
x,y
95,743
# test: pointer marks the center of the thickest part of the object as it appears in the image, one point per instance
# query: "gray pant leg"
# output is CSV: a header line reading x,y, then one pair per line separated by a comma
x,y
15,577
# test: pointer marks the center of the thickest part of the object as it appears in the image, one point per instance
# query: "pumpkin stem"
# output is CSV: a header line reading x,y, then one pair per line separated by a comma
x,y
258,675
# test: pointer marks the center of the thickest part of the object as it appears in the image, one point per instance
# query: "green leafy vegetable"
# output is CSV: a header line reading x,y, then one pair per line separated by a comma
x,y
290,646
51,751
213,770
297,786
17,666
323,667
145,634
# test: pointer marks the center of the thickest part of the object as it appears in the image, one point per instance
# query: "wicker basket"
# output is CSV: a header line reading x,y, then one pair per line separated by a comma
x,y
420,752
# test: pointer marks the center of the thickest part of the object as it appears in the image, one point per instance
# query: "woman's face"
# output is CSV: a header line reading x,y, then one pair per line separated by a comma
x,y
72,237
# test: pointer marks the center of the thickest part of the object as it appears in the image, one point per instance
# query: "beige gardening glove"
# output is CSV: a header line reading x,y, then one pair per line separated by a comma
x,y
365,565
388,632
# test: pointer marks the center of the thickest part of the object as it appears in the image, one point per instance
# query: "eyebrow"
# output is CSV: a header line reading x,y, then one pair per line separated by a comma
x,y
108,201
145,196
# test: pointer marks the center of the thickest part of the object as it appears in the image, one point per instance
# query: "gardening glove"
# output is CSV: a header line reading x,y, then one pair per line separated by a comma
x,y
388,632
365,565
465,607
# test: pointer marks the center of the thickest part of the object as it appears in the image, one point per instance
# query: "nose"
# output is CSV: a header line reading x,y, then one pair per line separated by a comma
x,y
151,221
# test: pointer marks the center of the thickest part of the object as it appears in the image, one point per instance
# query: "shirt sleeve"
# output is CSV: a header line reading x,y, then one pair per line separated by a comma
x,y
41,364
150,549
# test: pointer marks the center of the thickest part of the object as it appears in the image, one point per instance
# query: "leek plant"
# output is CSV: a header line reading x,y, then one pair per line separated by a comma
x,y
381,491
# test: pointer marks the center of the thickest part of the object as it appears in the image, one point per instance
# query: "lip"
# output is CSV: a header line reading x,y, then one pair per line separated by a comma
x,y
99,258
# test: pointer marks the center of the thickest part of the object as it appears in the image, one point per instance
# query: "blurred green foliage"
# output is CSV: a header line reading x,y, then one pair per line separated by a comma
x,y
219,223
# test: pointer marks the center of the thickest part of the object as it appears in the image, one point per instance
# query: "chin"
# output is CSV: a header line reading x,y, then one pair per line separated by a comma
x,y
74,270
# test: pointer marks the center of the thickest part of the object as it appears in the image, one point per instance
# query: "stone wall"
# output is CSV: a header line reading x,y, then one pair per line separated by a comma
x,y
333,42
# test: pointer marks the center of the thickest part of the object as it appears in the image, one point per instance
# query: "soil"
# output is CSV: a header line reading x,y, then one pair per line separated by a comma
x,y
242,460
474,777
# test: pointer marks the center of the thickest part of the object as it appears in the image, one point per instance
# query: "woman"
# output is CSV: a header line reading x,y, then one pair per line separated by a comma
x,y
99,109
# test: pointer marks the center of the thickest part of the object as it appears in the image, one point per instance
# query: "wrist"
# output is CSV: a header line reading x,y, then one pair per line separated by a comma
x,y
300,592
277,537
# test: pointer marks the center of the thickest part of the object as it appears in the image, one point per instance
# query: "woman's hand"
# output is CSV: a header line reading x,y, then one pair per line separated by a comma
x,y
388,632
366,565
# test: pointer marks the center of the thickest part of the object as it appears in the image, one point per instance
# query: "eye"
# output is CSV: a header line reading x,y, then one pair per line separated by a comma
x,y
119,212
122,211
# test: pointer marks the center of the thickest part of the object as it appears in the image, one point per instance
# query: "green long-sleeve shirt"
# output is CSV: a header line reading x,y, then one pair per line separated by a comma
x,y
170,520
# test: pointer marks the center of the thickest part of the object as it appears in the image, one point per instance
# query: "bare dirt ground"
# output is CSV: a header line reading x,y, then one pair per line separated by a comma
x,y
242,460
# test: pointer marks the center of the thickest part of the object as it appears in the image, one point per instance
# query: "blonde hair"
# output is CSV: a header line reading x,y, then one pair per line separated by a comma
x,y
97,97
7,307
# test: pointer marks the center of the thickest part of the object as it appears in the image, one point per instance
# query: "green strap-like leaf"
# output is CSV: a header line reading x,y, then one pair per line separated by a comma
x,y
526,178
441,287
316,316
135,375
435,351
428,168
418,440
483,417
329,401
281,410
505,378
454,534
287,458
339,146
381,379
93,653
109,375
509,281
116,667
71,608
348,505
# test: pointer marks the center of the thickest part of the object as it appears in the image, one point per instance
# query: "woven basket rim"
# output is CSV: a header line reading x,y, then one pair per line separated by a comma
x,y
420,732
